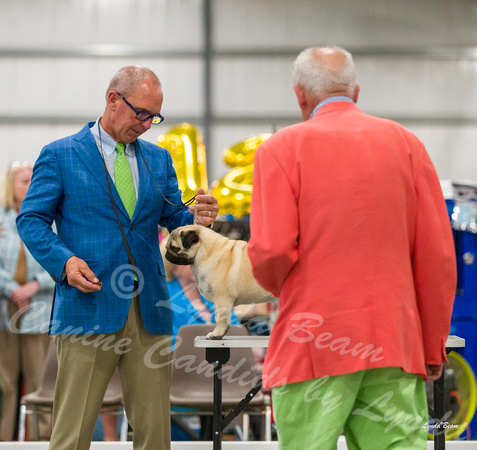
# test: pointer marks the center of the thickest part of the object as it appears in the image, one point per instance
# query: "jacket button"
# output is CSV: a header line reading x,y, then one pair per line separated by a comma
x,y
131,227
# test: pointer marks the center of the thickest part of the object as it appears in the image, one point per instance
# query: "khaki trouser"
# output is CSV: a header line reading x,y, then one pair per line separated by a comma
x,y
21,354
86,365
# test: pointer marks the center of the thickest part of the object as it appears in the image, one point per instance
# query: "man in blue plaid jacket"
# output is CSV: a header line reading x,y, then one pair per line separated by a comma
x,y
104,314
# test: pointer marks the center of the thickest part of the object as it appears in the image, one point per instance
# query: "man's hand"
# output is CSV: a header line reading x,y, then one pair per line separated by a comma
x,y
2,230
81,276
207,208
434,371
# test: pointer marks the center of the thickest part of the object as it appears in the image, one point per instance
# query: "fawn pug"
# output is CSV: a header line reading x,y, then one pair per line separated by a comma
x,y
222,270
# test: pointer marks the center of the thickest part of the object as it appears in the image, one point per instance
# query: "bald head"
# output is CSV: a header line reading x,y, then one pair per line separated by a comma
x,y
132,89
126,79
322,72
325,71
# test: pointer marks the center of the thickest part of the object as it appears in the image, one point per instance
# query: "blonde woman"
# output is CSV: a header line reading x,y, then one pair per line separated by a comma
x,y
26,293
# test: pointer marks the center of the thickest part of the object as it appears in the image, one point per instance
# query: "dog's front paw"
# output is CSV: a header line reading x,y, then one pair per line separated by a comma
x,y
212,335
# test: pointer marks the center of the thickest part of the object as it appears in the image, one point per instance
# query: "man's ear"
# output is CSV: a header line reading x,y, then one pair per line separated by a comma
x,y
112,99
356,93
301,96
189,238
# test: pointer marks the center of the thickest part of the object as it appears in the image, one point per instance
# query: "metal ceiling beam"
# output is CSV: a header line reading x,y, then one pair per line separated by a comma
x,y
97,51
122,51
207,58
230,120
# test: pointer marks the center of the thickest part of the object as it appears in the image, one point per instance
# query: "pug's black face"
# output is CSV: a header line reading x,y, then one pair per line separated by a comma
x,y
180,260
178,247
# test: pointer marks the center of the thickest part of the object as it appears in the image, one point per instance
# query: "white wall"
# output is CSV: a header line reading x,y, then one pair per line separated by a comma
x,y
49,95
433,95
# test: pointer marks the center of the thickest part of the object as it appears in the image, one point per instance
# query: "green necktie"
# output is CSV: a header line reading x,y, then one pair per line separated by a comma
x,y
124,180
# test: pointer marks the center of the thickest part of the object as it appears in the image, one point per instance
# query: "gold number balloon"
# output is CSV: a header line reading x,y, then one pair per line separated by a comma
x,y
185,144
234,190
243,153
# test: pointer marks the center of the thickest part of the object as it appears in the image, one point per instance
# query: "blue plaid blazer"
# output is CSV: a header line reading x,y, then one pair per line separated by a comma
x,y
69,187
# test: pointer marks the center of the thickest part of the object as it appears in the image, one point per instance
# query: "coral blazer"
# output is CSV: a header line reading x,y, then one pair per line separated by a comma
x,y
350,230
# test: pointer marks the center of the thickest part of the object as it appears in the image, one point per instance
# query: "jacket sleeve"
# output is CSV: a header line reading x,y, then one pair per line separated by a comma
x,y
37,214
273,220
7,283
434,261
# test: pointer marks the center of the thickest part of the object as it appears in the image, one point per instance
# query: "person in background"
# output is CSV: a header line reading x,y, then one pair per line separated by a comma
x,y
349,228
26,294
110,427
107,192
2,389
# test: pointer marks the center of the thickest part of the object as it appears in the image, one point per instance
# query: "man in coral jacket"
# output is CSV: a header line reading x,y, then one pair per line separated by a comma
x,y
350,230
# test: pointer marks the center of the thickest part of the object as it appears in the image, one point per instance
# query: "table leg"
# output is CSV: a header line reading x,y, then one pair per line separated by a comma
x,y
217,420
217,357
439,406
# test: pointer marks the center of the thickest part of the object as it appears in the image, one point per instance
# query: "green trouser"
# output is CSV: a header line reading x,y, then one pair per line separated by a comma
x,y
377,409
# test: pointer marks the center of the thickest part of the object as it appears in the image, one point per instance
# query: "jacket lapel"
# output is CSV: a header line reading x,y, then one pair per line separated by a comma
x,y
89,155
144,177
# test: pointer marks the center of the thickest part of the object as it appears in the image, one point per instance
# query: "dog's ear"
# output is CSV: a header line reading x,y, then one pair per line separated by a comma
x,y
189,238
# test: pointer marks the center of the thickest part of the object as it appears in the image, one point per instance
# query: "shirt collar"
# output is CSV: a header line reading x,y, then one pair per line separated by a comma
x,y
336,98
107,142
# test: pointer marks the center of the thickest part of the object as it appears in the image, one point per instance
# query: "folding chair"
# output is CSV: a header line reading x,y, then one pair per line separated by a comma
x,y
41,401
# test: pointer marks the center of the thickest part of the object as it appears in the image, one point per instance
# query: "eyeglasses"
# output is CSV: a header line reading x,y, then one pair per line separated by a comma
x,y
143,115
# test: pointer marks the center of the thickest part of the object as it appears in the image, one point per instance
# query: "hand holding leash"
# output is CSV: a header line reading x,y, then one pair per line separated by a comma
x,y
206,208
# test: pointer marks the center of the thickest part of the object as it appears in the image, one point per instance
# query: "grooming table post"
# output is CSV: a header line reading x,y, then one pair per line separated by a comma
x,y
217,357
439,399
217,352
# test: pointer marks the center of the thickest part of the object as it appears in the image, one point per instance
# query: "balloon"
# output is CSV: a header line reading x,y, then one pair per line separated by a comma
x,y
243,153
234,191
184,143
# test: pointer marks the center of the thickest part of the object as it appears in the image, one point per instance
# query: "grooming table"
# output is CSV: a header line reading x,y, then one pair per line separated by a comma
x,y
217,352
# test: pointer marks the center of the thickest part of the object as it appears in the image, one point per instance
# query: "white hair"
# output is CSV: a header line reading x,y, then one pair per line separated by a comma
x,y
319,78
